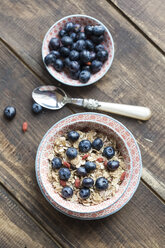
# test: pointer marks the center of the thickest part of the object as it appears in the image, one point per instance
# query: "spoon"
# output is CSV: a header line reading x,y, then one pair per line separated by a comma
x,y
55,98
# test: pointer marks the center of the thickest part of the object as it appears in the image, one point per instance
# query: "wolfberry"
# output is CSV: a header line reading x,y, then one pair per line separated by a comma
x,y
100,159
66,164
63,183
77,183
88,63
122,176
85,156
24,126
105,163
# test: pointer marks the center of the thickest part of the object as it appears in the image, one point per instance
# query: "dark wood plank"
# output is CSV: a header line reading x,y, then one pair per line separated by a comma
x,y
17,228
147,15
139,224
136,76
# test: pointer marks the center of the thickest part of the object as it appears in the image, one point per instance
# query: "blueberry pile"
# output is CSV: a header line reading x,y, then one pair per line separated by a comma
x,y
83,172
78,52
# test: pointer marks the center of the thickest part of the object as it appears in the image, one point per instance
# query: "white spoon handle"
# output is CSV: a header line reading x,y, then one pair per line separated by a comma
x,y
137,112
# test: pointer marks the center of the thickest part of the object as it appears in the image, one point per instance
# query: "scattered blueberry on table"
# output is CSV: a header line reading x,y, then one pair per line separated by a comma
x,y
36,108
78,51
9,112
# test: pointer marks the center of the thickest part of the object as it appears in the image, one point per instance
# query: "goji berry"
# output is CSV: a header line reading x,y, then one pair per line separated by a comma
x,y
24,126
62,183
66,164
85,156
88,63
77,183
122,176
105,163
100,159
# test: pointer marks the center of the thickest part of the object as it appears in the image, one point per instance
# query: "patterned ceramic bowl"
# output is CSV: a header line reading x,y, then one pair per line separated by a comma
x,y
83,20
125,143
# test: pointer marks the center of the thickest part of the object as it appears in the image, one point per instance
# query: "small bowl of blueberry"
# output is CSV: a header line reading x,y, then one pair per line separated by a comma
x,y
78,50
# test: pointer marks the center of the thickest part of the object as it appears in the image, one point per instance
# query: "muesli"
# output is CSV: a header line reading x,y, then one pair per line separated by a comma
x,y
86,167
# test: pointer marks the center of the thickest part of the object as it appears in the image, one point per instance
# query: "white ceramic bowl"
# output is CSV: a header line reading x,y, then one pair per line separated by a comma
x,y
83,20
127,146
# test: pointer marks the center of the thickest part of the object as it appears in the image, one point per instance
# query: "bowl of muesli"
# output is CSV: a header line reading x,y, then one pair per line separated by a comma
x,y
85,164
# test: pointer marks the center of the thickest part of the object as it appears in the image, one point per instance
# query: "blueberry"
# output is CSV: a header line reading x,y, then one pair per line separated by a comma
x,y
84,146
88,30
55,53
96,66
77,28
97,144
99,47
64,51
97,39
73,36
112,165
87,182
67,41
54,44
75,75
62,33
74,55
56,163
71,152
102,55
50,59
98,30
67,192
36,108
90,166
86,68
69,26
89,45
85,56
9,112
58,65
84,193
73,47
81,171
92,56
101,183
109,152
73,136
80,45
84,76
67,62
74,66
64,174
81,36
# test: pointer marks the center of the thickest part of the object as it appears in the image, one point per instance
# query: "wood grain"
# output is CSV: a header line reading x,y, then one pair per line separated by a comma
x,y
148,16
138,224
136,76
17,228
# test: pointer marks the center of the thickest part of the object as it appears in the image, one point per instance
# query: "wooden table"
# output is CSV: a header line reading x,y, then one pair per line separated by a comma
x,y
136,77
